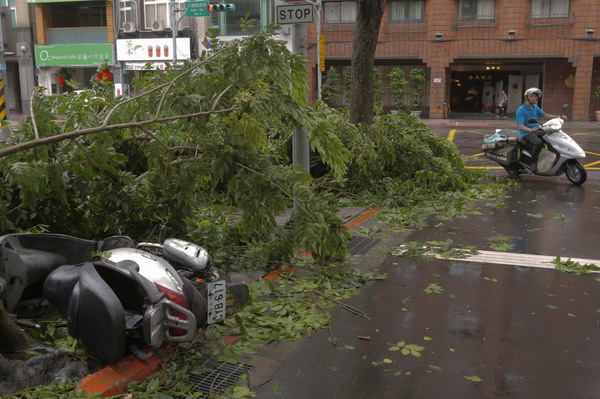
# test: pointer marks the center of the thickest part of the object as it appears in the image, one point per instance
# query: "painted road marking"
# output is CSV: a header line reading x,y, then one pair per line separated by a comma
x,y
591,164
451,135
512,259
453,132
484,167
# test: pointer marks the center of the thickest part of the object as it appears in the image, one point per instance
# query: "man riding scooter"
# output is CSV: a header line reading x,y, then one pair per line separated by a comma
x,y
530,132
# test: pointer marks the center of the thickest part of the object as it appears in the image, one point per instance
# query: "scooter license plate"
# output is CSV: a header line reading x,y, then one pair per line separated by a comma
x,y
217,297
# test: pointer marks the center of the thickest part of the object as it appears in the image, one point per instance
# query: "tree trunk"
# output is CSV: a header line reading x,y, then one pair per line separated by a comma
x,y
12,338
368,20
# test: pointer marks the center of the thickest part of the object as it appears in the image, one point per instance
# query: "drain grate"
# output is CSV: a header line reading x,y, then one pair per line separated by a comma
x,y
216,377
360,245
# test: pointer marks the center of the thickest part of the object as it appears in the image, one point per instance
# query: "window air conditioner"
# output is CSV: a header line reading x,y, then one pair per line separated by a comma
x,y
129,27
158,26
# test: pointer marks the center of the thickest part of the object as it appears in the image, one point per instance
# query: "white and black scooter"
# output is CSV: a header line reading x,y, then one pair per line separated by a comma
x,y
559,155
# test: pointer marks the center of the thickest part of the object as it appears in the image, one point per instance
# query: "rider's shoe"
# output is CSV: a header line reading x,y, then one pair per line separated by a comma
x,y
533,167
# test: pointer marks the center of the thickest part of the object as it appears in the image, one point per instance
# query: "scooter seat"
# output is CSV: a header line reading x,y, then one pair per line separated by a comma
x,y
100,316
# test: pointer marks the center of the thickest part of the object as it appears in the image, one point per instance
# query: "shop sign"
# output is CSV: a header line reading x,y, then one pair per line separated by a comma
x,y
152,49
74,54
146,66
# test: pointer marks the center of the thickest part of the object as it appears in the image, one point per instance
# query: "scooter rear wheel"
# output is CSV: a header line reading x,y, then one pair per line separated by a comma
x,y
575,172
512,171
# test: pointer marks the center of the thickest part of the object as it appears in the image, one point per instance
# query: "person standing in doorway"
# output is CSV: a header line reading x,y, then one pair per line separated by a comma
x,y
530,132
502,104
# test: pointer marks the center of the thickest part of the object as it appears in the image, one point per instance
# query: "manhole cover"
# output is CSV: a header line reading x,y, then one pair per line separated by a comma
x,y
360,245
216,377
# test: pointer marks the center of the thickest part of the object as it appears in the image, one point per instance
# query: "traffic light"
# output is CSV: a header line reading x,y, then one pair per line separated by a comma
x,y
221,7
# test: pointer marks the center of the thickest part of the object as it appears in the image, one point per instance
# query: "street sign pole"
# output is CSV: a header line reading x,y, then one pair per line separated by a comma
x,y
300,149
174,31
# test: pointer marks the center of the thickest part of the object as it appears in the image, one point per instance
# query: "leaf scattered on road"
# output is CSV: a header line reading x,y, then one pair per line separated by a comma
x,y
433,289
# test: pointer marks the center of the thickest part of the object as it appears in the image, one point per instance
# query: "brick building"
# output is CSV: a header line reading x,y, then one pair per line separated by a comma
x,y
478,46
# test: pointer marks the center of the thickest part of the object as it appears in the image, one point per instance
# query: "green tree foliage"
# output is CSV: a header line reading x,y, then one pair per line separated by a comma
x,y
331,87
398,159
214,132
416,79
398,85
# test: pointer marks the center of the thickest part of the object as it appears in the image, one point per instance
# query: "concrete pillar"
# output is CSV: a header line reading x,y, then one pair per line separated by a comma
x,y
437,92
583,80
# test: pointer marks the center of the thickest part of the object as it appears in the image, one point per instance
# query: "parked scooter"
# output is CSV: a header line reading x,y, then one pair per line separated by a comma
x,y
560,154
117,298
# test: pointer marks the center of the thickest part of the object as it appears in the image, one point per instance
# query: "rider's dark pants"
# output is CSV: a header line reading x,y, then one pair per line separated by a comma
x,y
535,143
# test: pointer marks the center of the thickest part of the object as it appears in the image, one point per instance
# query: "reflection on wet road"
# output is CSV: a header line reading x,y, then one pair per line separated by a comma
x,y
455,329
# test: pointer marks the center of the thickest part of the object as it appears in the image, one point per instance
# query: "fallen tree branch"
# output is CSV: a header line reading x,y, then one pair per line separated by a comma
x,y
343,305
83,132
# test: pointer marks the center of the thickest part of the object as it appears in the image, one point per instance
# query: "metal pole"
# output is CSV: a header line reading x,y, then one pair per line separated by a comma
x,y
174,29
300,148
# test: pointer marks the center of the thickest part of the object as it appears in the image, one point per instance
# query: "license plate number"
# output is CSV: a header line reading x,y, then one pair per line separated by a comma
x,y
217,295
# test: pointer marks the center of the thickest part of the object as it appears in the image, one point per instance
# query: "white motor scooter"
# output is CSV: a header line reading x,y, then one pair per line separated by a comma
x,y
559,155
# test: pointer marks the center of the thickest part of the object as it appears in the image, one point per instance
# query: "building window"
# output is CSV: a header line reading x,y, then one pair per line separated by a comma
x,y
470,10
126,12
160,10
549,8
340,12
78,15
406,10
13,10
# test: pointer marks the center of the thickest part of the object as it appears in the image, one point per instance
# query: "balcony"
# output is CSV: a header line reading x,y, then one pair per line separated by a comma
x,y
77,35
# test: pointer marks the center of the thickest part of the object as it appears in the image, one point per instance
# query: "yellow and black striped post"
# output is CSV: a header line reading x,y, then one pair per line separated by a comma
x,y
2,102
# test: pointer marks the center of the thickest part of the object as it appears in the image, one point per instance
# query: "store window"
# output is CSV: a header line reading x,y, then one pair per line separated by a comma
x,y
160,10
340,12
13,11
470,10
406,10
126,11
549,8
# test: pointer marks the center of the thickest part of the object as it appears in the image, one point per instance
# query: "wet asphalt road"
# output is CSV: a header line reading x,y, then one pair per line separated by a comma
x,y
482,330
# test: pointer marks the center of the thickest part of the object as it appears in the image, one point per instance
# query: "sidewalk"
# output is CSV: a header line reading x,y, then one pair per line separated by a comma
x,y
501,123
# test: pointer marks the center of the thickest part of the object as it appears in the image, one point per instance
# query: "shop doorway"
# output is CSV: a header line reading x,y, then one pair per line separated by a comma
x,y
475,87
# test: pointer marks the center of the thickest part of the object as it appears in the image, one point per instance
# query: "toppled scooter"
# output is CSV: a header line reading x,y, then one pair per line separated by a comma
x,y
118,297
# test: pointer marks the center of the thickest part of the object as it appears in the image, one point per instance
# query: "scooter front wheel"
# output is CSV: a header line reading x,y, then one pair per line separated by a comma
x,y
575,172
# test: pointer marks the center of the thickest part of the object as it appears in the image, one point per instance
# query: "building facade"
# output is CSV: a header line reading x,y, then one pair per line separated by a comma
x,y
17,54
472,49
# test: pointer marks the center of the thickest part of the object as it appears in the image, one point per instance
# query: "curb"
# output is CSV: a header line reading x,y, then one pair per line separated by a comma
x,y
113,379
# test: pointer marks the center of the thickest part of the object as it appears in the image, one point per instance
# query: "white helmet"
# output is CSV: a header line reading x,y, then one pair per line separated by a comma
x,y
533,90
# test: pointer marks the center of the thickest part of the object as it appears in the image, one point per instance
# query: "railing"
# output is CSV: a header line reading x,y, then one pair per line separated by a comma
x,y
77,35
479,21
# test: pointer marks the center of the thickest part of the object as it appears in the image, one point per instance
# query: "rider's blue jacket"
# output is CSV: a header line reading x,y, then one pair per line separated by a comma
x,y
524,113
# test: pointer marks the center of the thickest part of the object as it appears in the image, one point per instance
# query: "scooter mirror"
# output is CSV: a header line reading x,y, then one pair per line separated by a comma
x,y
532,120
565,107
